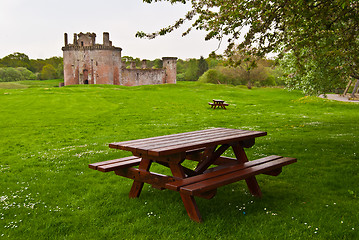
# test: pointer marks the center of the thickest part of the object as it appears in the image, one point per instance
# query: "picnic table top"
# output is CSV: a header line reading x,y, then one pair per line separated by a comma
x,y
217,100
182,142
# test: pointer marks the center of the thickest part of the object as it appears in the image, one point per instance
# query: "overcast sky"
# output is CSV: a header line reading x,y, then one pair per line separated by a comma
x,y
37,27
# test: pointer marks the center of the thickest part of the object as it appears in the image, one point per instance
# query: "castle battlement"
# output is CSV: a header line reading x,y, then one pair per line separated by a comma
x,y
70,47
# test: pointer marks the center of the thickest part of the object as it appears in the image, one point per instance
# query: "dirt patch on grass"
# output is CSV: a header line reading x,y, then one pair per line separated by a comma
x,y
12,85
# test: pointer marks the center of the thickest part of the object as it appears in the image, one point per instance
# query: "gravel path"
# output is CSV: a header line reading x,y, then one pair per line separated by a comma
x,y
337,97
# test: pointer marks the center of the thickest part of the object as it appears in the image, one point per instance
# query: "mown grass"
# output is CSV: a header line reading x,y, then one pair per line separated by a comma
x,y
49,135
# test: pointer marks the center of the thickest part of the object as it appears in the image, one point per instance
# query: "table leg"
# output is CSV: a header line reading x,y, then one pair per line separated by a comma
x,y
251,181
188,201
138,185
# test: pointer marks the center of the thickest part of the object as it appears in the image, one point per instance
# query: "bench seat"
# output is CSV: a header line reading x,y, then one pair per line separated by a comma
x,y
224,104
112,165
213,179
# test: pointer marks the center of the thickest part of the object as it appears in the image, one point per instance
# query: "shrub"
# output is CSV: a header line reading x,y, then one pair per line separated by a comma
x,y
48,72
9,74
26,73
211,76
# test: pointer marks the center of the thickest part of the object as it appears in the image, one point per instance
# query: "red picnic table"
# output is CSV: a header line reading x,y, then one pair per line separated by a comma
x,y
203,146
217,103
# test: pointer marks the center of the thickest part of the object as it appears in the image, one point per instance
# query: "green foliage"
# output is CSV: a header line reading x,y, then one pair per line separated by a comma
x,y
212,76
9,74
264,74
21,60
26,73
202,66
322,32
48,72
191,69
60,70
157,63
36,65
187,70
314,76
15,60
126,60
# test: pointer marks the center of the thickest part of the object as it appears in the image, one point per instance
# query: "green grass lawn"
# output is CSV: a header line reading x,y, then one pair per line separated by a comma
x,y
49,135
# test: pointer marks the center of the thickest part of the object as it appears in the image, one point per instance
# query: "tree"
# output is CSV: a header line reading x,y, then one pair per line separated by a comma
x,y
158,63
9,74
48,72
202,66
128,59
16,60
312,75
310,29
26,73
36,65
212,76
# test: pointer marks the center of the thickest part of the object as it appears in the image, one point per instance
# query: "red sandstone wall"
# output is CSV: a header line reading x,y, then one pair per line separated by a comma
x,y
170,64
101,66
136,77
70,68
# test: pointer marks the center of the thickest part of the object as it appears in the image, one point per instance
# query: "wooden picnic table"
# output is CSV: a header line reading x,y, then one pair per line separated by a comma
x,y
218,103
205,147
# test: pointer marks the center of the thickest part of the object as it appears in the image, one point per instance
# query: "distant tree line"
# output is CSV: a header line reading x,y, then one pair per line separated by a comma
x,y
18,67
215,69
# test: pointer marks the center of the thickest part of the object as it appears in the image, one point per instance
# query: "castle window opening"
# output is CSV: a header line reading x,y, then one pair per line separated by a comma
x,y
82,44
85,76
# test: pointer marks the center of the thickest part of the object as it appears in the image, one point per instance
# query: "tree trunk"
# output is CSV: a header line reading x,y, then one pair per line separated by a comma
x,y
347,88
355,88
249,84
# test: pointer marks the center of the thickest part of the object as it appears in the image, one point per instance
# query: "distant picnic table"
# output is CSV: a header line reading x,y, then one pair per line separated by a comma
x,y
204,147
218,103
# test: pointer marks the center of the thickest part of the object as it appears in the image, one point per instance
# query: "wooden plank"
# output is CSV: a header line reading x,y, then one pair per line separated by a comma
x,y
222,180
148,145
114,145
155,179
207,141
119,165
176,137
187,181
203,143
96,165
172,140
133,144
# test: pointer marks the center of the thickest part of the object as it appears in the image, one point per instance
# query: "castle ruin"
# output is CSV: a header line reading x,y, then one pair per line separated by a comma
x,y
86,62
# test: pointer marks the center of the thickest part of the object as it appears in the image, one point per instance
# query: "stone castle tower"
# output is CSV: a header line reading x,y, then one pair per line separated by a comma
x,y
86,62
